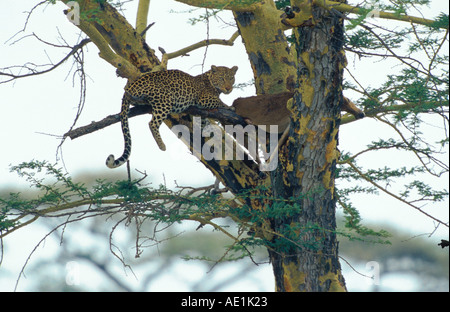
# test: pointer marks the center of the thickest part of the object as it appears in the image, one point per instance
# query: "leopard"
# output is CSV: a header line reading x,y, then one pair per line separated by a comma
x,y
171,92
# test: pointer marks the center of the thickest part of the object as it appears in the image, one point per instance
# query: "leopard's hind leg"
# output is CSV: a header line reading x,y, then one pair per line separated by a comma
x,y
159,115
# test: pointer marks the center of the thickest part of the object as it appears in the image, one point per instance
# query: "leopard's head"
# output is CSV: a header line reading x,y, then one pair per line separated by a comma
x,y
222,78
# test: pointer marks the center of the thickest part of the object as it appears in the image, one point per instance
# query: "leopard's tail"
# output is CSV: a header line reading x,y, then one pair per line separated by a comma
x,y
111,162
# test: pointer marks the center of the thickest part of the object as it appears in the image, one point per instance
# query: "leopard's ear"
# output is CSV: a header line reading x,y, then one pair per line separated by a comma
x,y
234,69
213,68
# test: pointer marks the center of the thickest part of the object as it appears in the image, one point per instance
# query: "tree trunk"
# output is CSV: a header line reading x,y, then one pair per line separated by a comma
x,y
305,257
268,50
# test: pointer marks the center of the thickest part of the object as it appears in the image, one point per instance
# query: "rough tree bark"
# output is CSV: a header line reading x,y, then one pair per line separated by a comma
x,y
308,159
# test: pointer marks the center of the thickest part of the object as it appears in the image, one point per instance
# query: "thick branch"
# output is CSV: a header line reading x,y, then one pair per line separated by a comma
x,y
225,116
234,5
142,14
302,15
271,58
126,68
235,174
345,8
119,43
394,108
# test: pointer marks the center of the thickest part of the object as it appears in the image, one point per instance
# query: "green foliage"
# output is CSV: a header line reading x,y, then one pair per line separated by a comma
x,y
277,209
13,203
58,195
60,190
369,9
353,221
203,17
422,92
409,92
362,39
424,191
353,224
380,179
281,4
441,21
354,22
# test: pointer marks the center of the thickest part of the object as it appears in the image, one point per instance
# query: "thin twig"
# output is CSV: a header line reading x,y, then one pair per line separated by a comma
x,y
392,194
72,52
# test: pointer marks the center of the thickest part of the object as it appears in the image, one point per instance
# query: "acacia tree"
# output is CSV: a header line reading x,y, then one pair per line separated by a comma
x,y
296,46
